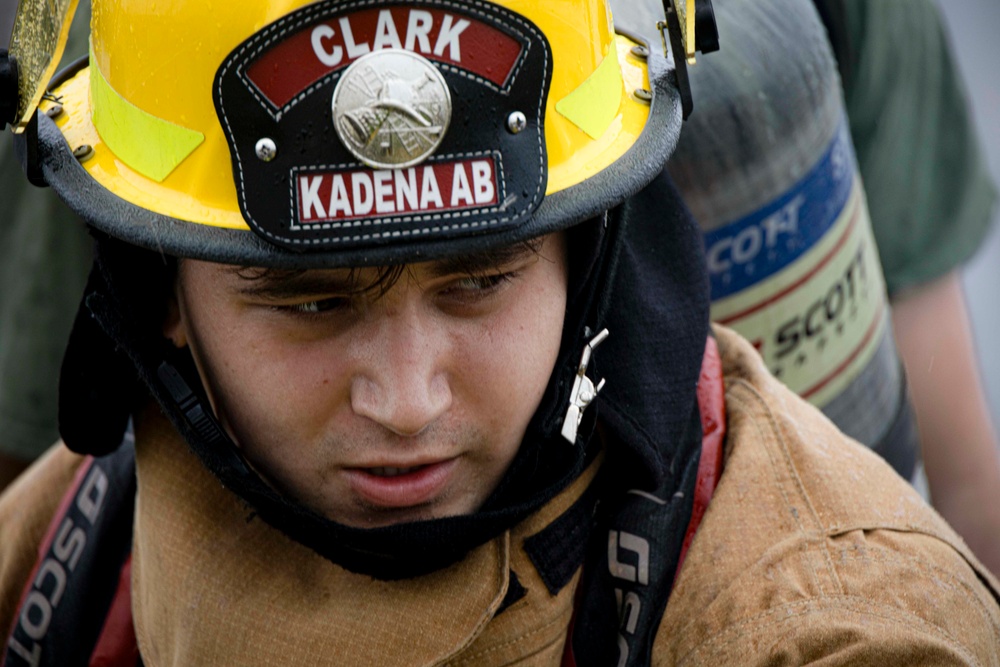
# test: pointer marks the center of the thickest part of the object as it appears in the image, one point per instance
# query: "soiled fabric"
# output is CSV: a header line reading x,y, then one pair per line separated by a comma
x,y
812,547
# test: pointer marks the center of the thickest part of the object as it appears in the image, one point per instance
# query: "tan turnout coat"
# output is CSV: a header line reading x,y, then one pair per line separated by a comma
x,y
812,550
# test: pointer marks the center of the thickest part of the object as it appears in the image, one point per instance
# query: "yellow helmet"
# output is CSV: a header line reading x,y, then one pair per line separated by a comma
x,y
370,132
352,132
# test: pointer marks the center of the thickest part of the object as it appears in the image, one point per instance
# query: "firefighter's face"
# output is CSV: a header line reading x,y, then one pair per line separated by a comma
x,y
377,408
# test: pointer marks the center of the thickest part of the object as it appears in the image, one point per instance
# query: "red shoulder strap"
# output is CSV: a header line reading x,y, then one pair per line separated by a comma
x,y
712,406
116,645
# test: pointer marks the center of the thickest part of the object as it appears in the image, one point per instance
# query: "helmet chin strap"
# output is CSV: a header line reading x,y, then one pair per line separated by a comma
x,y
393,552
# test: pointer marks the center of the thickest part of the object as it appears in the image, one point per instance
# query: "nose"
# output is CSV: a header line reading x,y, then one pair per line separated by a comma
x,y
402,381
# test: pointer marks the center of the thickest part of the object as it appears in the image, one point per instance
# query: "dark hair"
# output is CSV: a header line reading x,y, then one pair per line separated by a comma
x,y
387,276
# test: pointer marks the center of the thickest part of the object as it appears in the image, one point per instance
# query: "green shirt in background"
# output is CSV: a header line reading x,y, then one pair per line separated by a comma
x,y
930,193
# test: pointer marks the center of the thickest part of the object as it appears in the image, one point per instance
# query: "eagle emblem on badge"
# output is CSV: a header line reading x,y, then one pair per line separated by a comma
x,y
391,109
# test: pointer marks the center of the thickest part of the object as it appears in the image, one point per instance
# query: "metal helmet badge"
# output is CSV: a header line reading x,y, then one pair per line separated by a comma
x,y
391,109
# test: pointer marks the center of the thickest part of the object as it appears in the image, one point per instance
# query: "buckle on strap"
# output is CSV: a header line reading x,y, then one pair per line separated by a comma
x,y
584,391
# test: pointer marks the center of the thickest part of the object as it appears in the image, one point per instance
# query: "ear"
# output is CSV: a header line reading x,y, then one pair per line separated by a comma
x,y
174,322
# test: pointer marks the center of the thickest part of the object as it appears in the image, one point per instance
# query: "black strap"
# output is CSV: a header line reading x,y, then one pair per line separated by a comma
x,y
63,610
558,550
629,572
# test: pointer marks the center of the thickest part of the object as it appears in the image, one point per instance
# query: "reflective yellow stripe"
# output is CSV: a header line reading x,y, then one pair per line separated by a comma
x,y
149,145
594,104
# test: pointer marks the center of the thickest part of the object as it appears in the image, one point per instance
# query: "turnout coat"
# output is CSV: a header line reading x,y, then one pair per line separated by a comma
x,y
811,549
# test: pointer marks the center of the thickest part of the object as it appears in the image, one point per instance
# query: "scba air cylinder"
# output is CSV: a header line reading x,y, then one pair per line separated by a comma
x,y
767,166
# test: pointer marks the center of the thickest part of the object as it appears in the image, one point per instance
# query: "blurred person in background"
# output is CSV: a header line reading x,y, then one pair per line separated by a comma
x,y
768,134
932,200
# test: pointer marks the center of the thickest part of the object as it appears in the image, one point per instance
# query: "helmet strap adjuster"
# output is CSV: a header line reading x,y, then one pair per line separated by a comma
x,y
584,391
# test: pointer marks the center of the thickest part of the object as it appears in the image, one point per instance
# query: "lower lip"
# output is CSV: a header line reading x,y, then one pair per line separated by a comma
x,y
414,488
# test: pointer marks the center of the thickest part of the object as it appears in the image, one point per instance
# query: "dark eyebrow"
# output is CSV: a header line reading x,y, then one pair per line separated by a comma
x,y
481,262
277,284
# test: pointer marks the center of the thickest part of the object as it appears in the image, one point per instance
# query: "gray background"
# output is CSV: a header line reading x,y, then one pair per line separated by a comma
x,y
6,19
973,26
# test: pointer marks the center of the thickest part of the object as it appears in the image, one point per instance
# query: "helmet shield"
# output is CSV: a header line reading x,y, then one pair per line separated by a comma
x,y
353,145
37,42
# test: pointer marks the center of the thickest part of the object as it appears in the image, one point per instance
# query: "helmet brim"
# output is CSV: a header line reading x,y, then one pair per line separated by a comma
x,y
113,215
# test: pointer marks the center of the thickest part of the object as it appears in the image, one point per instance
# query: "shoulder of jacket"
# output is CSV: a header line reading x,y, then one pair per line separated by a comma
x,y
812,541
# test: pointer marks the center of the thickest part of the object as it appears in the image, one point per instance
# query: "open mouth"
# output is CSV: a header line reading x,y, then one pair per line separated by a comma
x,y
392,472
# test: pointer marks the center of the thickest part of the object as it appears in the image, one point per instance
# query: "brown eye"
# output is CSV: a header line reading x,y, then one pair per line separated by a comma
x,y
318,306
483,283
476,291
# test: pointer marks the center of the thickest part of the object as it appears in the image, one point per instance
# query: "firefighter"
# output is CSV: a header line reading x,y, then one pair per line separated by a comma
x,y
396,351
